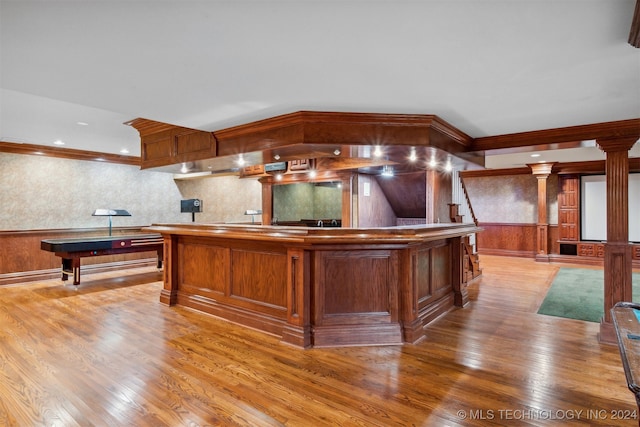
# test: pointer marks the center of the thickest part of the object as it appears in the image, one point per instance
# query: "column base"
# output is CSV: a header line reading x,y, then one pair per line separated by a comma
x,y
607,334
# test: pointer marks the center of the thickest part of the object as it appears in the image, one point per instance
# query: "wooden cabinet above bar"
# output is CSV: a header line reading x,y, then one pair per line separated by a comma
x,y
345,139
317,287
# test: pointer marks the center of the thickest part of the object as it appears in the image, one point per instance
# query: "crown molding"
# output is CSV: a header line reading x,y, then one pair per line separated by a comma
x,y
67,153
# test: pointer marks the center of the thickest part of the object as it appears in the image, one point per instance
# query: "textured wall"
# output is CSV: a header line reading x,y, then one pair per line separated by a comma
x,y
511,199
49,193
224,198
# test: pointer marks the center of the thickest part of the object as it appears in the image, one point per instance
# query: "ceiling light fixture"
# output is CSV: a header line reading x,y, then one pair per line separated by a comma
x,y
82,123
412,156
240,160
313,173
448,167
432,162
336,152
58,142
377,152
184,168
124,151
535,155
276,157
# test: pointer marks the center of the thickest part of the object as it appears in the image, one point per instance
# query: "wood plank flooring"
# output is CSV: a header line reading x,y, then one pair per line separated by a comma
x,y
109,354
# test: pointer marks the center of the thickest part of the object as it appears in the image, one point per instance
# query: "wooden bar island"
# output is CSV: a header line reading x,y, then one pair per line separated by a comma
x,y
317,287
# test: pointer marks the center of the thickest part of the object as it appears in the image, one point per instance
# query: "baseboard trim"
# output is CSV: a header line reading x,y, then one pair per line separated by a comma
x,y
52,273
505,252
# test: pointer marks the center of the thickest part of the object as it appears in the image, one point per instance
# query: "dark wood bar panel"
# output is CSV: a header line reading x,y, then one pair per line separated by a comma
x,y
317,287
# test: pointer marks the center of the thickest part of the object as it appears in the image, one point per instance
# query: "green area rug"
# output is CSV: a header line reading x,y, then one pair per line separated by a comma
x,y
578,293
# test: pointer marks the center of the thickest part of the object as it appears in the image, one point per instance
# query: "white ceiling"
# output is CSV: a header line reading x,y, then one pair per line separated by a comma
x,y
488,67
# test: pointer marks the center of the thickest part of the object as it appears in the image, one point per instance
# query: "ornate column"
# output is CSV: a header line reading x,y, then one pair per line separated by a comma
x,y
617,250
542,171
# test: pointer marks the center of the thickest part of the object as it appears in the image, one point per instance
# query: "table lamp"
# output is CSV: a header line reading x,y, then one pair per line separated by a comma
x,y
110,213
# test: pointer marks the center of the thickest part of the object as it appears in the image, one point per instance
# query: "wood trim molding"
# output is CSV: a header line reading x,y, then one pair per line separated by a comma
x,y
495,172
67,153
610,145
634,33
148,127
507,224
330,121
606,130
541,169
571,168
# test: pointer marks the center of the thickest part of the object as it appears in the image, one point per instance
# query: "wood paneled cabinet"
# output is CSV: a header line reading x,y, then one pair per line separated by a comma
x,y
178,145
568,207
591,249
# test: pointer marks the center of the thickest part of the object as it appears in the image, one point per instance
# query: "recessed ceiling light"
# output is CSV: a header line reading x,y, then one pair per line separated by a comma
x,y
448,166
58,142
82,123
412,156
535,155
387,171
124,151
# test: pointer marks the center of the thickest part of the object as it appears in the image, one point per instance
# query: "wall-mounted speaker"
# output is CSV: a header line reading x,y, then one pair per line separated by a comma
x,y
191,205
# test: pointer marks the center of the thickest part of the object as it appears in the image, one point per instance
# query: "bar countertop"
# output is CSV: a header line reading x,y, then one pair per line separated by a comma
x,y
319,235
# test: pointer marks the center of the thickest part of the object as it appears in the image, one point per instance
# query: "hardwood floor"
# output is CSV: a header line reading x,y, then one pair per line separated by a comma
x,y
109,354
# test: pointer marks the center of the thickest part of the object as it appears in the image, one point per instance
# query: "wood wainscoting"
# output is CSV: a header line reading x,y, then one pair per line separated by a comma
x,y
23,260
506,239
519,240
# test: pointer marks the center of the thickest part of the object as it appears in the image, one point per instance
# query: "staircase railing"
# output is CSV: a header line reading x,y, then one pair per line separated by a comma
x,y
460,197
466,196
